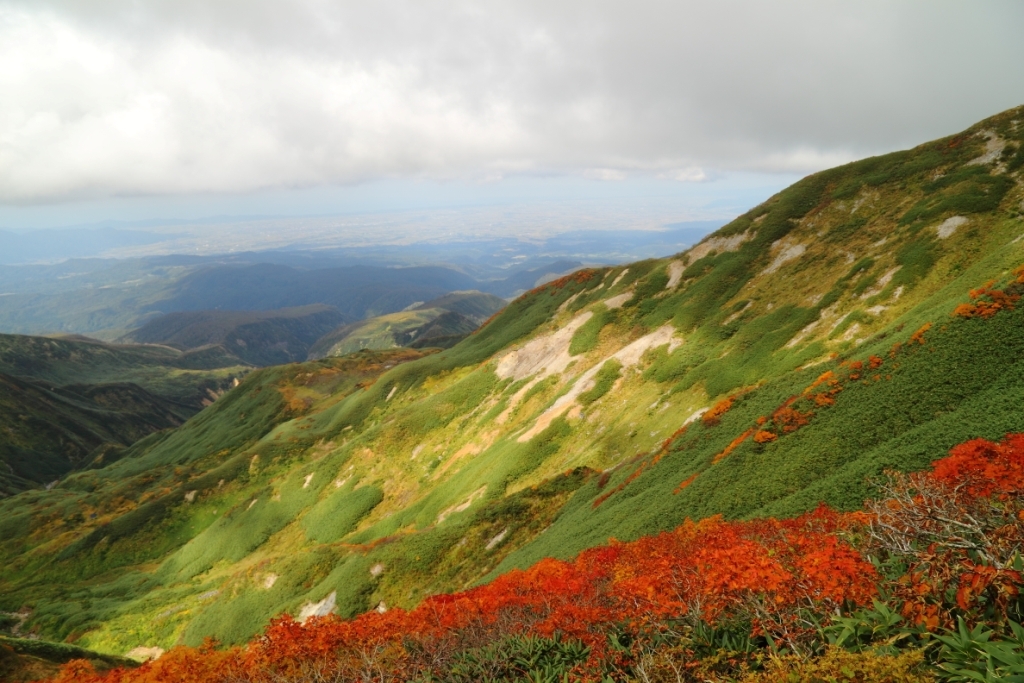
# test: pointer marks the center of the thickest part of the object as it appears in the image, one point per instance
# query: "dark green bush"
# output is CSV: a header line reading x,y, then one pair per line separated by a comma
x,y
586,337
603,381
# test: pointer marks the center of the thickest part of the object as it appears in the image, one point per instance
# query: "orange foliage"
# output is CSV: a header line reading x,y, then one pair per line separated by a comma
x,y
686,482
987,302
579,277
855,369
714,415
960,526
919,335
827,377
827,397
789,419
983,468
761,436
733,445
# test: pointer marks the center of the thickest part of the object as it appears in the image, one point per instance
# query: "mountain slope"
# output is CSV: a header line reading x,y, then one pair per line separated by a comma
x,y
191,378
48,430
477,306
865,318
441,322
70,403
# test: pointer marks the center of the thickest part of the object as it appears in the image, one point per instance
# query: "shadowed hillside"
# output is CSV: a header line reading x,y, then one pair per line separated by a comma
x,y
71,403
256,337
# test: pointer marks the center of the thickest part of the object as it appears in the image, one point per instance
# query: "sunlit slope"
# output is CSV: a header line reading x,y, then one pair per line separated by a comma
x,y
439,323
807,345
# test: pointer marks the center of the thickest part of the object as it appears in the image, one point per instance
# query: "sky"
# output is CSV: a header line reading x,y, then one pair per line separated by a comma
x,y
132,109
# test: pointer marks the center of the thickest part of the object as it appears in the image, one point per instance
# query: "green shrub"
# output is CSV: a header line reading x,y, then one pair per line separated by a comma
x,y
603,381
979,654
518,658
915,258
61,652
972,190
586,337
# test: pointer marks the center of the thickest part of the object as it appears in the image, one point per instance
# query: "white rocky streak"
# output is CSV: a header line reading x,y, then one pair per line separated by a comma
x,y
787,252
491,544
994,146
145,654
675,274
619,299
719,244
618,278
318,609
949,226
544,355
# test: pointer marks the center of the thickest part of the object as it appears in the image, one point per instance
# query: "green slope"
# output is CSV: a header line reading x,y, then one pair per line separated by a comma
x,y
22,659
610,403
477,306
439,323
73,402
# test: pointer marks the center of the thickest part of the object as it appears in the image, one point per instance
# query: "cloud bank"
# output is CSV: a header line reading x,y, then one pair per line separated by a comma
x,y
104,98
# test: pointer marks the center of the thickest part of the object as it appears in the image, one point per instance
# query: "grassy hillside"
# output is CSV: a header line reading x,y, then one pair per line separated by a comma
x,y
865,318
439,323
29,660
256,337
477,306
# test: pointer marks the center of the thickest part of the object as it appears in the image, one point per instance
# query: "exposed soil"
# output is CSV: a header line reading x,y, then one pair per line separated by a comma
x,y
628,356
545,355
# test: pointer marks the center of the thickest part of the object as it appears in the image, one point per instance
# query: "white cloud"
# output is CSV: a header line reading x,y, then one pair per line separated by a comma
x,y
109,98
604,174
693,174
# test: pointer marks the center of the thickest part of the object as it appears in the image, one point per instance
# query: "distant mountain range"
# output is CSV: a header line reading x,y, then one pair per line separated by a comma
x,y
111,301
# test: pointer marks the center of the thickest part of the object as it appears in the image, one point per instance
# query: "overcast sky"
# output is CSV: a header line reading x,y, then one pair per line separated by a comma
x,y
114,109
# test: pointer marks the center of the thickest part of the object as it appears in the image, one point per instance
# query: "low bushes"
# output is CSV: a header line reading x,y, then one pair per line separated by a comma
x,y
895,592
